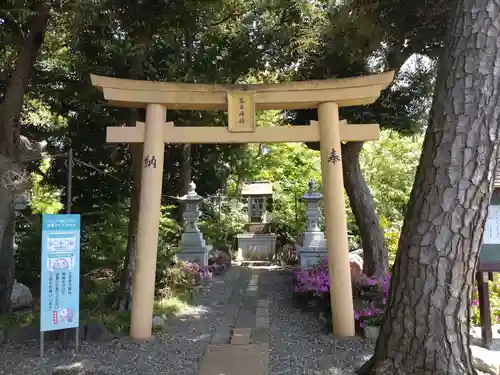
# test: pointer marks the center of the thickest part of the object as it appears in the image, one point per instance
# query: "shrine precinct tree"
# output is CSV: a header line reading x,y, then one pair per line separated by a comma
x,y
346,46
426,327
22,35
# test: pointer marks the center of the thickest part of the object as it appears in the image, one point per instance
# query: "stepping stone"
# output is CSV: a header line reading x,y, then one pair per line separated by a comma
x,y
262,311
263,303
246,319
260,336
249,303
221,338
241,336
262,323
235,360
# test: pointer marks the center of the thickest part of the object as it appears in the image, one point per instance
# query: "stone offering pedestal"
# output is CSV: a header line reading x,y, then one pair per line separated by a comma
x,y
192,243
255,246
313,247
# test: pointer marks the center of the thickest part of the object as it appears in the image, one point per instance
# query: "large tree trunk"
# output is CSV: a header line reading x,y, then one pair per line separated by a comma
x,y
185,174
7,264
123,298
10,112
426,327
372,235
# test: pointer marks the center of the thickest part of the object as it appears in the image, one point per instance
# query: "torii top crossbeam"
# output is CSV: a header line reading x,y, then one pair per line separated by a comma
x,y
193,96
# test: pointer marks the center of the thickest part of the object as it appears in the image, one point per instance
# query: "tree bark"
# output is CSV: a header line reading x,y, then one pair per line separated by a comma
x,y
240,183
425,330
10,112
375,260
123,298
185,174
7,264
124,293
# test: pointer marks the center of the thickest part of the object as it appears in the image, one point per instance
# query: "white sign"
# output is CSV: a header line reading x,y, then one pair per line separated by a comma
x,y
492,228
61,242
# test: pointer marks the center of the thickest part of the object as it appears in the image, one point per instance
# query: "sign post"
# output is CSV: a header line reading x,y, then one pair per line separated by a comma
x,y
60,270
489,262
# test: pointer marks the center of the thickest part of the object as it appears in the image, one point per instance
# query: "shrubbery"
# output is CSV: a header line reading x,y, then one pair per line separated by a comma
x,y
370,295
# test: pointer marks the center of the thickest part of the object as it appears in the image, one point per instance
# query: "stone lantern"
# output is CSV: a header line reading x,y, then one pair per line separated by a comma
x,y
192,243
313,247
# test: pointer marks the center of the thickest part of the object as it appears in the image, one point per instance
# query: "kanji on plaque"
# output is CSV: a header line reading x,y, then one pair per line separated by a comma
x,y
241,111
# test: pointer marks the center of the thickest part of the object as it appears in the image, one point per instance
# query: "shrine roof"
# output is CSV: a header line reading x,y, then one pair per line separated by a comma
x,y
257,188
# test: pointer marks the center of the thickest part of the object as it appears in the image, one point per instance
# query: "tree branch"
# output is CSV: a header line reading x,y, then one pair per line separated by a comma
x,y
231,15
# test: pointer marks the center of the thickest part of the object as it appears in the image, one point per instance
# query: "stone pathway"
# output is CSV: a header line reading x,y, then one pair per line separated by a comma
x,y
242,324
263,334
240,345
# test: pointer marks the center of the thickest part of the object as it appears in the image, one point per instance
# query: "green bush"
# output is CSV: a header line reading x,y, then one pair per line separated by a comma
x,y
178,278
494,290
221,223
103,243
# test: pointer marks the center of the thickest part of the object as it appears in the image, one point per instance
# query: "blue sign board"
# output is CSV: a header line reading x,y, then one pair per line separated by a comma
x,y
60,284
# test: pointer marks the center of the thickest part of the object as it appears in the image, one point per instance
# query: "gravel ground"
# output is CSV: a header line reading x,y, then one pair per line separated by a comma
x,y
495,344
177,351
298,344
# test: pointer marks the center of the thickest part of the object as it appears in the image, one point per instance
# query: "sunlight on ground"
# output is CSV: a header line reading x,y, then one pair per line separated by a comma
x,y
270,268
71,367
178,307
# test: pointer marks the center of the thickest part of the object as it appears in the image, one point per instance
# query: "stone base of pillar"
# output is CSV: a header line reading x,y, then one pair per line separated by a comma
x,y
193,249
257,247
200,257
312,250
310,257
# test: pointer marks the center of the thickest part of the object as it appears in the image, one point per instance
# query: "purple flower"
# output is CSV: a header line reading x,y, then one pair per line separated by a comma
x,y
371,282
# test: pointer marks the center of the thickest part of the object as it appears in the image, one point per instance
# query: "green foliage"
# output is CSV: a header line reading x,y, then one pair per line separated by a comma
x,y
389,167
178,278
44,198
222,220
28,254
104,238
103,241
494,291
200,41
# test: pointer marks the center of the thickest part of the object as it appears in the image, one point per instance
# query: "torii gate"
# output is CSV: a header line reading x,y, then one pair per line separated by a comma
x,y
241,101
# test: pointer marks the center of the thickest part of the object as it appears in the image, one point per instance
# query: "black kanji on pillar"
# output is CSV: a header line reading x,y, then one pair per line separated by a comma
x,y
334,157
150,162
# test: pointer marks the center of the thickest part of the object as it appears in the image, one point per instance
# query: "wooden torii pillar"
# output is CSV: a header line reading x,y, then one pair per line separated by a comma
x,y
241,101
